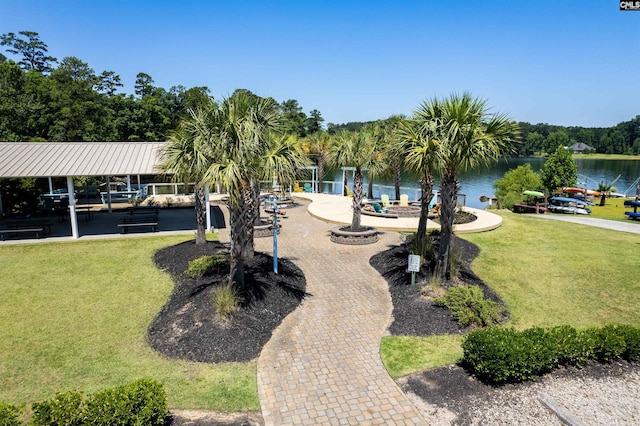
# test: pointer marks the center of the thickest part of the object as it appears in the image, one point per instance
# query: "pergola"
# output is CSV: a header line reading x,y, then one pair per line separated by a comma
x,y
70,159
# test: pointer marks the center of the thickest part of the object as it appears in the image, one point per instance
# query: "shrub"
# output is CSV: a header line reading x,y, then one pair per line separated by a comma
x,y
571,347
499,355
206,265
503,355
631,337
142,402
468,306
9,415
64,409
424,247
226,300
454,259
608,343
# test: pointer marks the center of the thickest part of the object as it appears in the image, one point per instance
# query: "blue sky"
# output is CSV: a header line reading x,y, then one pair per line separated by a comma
x,y
566,62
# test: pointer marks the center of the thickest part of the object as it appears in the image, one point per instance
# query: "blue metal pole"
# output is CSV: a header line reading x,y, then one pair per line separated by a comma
x,y
275,235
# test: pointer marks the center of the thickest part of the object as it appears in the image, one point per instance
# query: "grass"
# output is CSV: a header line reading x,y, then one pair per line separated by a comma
x,y
74,315
549,273
612,210
404,355
606,156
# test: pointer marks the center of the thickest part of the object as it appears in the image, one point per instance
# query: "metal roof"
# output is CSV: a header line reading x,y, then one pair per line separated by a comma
x,y
44,159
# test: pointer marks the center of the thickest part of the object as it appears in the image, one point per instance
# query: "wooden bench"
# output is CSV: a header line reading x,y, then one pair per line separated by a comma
x,y
11,232
125,226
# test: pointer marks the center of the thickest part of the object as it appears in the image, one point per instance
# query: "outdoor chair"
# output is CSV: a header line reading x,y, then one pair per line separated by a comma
x,y
349,192
307,187
404,200
384,198
379,209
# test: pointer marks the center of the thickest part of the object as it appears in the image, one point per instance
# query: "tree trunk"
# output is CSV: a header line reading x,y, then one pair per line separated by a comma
x,y
357,200
250,205
370,188
201,215
603,199
236,272
320,172
426,189
396,178
449,191
255,203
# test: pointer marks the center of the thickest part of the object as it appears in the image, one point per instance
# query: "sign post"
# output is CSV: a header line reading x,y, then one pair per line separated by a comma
x,y
275,234
413,266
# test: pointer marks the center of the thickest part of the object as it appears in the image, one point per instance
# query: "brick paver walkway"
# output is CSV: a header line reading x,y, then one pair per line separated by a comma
x,y
322,365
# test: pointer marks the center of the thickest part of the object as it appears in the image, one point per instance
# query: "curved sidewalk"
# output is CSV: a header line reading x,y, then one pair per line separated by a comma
x,y
322,365
337,209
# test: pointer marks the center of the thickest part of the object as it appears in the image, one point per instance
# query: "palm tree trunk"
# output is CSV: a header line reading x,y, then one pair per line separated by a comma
x,y
250,205
255,201
426,189
320,172
370,188
201,215
449,193
357,200
396,177
236,272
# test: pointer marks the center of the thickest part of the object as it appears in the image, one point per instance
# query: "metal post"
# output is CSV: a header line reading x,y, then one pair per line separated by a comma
x,y
275,234
72,208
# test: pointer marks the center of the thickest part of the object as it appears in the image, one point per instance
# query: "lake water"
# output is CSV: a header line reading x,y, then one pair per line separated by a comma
x,y
480,181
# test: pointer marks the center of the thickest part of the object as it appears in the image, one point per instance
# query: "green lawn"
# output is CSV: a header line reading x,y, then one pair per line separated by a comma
x,y
74,315
612,210
548,273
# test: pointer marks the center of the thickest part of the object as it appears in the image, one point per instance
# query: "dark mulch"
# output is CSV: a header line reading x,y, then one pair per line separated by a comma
x,y
187,326
413,314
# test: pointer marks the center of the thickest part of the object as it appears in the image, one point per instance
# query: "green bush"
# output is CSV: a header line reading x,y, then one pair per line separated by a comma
x,y
425,248
468,306
571,347
9,415
206,265
143,402
64,409
608,343
631,337
454,259
503,355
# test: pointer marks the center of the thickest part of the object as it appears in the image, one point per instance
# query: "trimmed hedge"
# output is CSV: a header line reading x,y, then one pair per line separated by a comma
x,y
143,402
9,415
504,355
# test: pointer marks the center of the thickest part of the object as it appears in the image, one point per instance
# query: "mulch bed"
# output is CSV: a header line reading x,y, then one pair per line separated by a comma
x,y
413,314
187,327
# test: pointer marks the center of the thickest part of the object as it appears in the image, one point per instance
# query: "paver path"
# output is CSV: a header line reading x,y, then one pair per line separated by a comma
x,y
322,365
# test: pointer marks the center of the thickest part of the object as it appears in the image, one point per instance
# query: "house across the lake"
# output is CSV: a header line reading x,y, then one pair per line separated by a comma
x,y
580,148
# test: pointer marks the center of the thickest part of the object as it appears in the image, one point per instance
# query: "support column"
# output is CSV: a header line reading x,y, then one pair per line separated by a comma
x,y
72,208
50,185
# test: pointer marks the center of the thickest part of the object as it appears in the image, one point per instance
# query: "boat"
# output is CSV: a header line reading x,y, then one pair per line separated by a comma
x,y
589,192
533,204
635,204
568,205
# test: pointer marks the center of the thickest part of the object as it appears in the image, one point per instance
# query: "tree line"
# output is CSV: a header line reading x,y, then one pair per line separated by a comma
x,y
43,99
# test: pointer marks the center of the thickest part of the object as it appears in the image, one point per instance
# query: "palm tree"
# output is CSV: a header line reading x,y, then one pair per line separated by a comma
x,y
604,189
470,137
319,144
423,154
388,139
237,132
358,150
185,156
